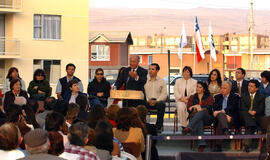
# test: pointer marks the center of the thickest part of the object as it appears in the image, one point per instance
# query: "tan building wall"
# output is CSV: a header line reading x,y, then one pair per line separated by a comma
x,y
72,47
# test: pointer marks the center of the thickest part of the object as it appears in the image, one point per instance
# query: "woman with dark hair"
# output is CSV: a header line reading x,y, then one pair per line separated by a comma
x,y
264,88
183,89
13,73
214,82
96,113
111,114
130,137
15,93
99,89
30,118
200,108
73,92
39,87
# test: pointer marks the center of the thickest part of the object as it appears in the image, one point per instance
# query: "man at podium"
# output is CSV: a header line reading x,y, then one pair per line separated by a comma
x,y
133,78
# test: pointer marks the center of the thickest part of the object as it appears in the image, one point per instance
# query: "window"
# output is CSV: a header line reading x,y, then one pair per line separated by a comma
x,y
47,26
100,53
150,59
52,69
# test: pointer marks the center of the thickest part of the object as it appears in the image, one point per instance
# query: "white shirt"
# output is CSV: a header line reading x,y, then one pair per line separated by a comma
x,y
241,82
265,85
155,89
11,155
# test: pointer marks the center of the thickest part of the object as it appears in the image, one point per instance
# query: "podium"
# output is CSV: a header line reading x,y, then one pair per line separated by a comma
x,y
126,94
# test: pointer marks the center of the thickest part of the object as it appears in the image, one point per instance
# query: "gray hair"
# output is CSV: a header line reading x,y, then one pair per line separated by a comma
x,y
78,133
228,83
39,149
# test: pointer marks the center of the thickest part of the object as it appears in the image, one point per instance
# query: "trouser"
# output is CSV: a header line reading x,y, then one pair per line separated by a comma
x,y
132,103
182,114
160,106
196,124
222,126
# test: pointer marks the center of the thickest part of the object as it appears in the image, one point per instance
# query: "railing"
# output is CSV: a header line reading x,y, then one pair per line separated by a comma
x,y
10,4
9,46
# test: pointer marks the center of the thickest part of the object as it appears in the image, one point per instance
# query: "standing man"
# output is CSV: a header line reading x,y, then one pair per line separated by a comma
x,y
156,94
62,85
240,86
252,110
133,78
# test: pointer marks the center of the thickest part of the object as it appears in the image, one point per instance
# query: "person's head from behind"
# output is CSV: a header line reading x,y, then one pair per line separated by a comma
x,y
104,141
61,107
54,122
56,143
82,101
111,112
91,137
125,118
72,113
70,69
33,104
253,86
36,141
13,73
15,85
49,103
73,86
134,61
226,88
30,117
10,137
202,88
153,69
39,75
96,113
240,74
78,134
265,76
14,113
142,111
187,72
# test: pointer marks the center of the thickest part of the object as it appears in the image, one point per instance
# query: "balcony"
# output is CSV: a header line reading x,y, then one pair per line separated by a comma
x,y
10,6
9,48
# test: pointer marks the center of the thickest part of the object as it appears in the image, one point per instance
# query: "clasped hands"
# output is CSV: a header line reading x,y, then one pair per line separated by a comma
x,y
133,74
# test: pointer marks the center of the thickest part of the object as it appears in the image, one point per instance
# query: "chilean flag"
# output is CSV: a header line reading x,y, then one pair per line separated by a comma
x,y
198,42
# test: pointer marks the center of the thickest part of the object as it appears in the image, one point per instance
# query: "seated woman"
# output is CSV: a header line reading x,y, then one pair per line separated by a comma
x,y
16,91
99,89
214,82
39,87
264,88
13,73
131,138
200,112
74,90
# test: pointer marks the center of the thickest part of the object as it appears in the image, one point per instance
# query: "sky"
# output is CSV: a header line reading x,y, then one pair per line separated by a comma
x,y
180,4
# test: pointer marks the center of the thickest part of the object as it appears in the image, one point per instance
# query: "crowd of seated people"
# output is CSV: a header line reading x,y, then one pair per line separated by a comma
x,y
83,125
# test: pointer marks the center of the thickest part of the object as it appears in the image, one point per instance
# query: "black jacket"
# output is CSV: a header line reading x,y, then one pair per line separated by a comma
x,y
232,108
258,103
94,87
129,82
244,87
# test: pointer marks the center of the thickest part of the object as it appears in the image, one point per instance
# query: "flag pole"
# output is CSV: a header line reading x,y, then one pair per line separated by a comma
x,y
210,62
181,67
194,63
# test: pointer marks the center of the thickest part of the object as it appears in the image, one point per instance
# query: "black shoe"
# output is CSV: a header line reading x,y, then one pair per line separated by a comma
x,y
246,149
218,149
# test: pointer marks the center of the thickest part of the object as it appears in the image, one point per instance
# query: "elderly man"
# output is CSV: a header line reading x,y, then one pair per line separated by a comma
x,y
37,144
133,78
226,110
78,138
156,94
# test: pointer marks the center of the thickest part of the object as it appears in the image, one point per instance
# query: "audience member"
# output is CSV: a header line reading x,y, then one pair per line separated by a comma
x,y
200,107
133,78
3,117
111,114
61,107
37,144
30,118
13,73
136,122
35,107
39,87
99,89
73,91
82,101
156,94
78,137
10,138
131,138
226,111
72,113
91,141
183,89
16,91
252,110
49,103
264,88
62,85
240,86
214,82
96,113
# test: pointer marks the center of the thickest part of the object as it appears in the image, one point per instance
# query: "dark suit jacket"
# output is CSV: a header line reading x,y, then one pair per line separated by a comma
x,y
129,82
232,108
244,87
258,103
265,91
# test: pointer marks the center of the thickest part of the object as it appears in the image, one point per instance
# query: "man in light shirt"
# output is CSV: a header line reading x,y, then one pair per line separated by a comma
x,y
156,94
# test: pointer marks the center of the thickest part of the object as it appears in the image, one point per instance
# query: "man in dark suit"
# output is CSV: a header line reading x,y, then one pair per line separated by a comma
x,y
252,110
133,78
226,110
240,86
